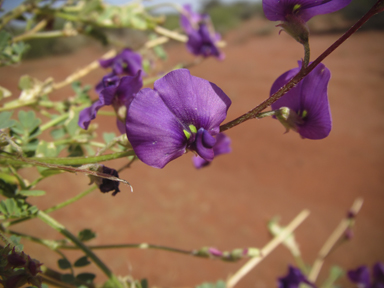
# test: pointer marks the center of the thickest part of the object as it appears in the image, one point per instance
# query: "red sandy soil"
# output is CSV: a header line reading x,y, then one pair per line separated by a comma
x,y
269,173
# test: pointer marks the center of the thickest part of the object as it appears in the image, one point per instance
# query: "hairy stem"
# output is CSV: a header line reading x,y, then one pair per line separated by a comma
x,y
303,72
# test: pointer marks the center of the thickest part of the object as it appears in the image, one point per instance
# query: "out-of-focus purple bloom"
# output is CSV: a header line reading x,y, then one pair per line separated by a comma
x,y
202,39
361,276
295,13
117,92
181,113
309,112
293,279
126,62
222,146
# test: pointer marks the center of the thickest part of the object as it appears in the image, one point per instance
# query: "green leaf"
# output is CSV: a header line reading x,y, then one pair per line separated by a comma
x,y
219,284
45,149
71,123
58,133
68,278
5,121
26,82
7,189
16,241
86,277
29,193
81,262
86,235
4,39
144,283
108,137
64,264
4,93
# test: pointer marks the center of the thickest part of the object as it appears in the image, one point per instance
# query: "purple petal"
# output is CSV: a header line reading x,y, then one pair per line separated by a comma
x,y
360,276
222,146
105,63
133,61
278,10
201,42
293,279
88,114
378,274
204,144
189,19
311,96
128,87
193,100
154,132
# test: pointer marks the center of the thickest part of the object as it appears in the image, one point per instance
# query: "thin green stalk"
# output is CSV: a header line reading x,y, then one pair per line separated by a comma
x,y
307,55
54,121
54,208
61,229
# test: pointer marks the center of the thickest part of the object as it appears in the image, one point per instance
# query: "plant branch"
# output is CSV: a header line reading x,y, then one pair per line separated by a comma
x,y
332,240
267,249
303,72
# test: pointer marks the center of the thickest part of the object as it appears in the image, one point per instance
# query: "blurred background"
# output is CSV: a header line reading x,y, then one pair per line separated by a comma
x,y
228,204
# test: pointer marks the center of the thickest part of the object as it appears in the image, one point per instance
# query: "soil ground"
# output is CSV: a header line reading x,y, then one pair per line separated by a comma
x,y
269,173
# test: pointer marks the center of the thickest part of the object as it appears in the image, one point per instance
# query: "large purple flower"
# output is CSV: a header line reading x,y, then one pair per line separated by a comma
x,y
202,39
309,112
126,62
222,146
295,13
117,92
361,277
293,279
181,113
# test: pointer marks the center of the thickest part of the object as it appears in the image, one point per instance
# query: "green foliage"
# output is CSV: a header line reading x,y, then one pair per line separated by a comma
x,y
86,277
86,235
144,283
68,278
31,193
7,189
218,284
10,53
5,120
81,262
64,264
26,130
15,240
16,208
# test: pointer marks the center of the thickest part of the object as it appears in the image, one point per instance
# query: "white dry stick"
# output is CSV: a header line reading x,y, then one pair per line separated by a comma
x,y
332,240
244,270
84,71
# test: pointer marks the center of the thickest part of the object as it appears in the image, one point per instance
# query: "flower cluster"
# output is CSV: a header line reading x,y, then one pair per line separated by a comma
x,y
18,269
361,276
293,279
116,90
202,39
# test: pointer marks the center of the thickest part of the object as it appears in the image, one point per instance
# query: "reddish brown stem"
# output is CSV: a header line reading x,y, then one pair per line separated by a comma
x,y
378,7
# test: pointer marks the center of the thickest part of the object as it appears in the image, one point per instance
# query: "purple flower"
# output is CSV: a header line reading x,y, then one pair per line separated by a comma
x,y
295,13
361,277
181,113
309,112
116,92
202,39
293,279
126,62
222,146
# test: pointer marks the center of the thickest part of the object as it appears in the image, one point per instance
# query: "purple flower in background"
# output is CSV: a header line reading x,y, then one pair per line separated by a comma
x,y
222,146
126,62
309,112
293,279
361,276
295,13
181,113
202,39
117,92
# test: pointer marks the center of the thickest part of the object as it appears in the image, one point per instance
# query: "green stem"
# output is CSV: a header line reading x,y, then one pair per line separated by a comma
x,y
54,208
54,121
61,229
75,161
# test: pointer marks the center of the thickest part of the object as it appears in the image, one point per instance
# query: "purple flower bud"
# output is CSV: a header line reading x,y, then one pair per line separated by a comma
x,y
202,39
309,112
215,252
16,259
360,276
33,266
293,279
109,185
126,62
181,113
